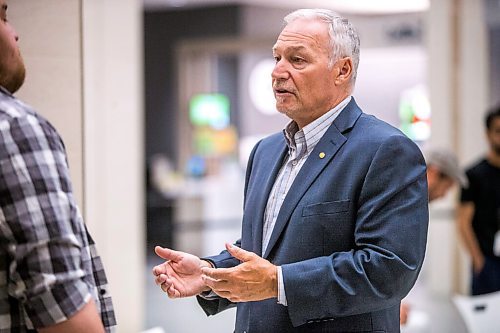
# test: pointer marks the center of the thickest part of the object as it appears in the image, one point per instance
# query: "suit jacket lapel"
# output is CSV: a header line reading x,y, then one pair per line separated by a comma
x,y
329,144
272,162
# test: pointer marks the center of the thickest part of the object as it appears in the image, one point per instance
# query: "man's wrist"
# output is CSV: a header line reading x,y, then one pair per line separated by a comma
x,y
206,263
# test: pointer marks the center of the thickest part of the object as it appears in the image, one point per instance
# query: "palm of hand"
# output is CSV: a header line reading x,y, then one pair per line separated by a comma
x,y
185,275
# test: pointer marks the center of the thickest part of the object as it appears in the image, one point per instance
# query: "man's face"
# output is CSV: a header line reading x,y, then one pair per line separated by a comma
x,y
12,69
438,184
303,84
493,135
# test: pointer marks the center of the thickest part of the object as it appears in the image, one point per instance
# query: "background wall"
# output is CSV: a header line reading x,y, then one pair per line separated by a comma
x,y
114,148
491,11
51,48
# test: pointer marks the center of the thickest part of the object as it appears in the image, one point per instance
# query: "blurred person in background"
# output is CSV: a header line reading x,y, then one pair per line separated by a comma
x,y
336,206
479,213
443,172
51,278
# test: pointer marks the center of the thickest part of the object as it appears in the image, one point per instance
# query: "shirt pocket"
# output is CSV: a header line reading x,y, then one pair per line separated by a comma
x,y
327,207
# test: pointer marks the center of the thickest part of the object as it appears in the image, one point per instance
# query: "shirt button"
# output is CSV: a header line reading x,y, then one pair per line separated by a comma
x,y
294,163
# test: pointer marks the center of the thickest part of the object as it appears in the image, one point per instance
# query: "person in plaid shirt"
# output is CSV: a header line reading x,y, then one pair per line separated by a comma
x,y
51,278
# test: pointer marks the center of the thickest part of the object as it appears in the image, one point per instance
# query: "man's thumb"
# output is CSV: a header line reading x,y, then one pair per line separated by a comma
x,y
167,254
239,253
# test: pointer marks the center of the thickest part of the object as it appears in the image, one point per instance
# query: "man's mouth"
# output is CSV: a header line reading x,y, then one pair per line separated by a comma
x,y
280,91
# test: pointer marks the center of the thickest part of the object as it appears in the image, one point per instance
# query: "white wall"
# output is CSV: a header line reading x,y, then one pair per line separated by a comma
x,y
50,44
113,108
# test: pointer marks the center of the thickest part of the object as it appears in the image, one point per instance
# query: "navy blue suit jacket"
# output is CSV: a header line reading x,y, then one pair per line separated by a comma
x,y
350,236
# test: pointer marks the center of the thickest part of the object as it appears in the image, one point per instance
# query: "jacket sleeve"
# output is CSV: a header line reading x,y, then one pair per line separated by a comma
x,y
390,236
214,305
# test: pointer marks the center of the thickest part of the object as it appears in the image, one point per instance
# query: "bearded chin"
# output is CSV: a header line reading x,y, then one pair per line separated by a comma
x,y
16,81
13,73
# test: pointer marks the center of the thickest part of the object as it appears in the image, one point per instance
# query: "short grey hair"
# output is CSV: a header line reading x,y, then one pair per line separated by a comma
x,y
344,39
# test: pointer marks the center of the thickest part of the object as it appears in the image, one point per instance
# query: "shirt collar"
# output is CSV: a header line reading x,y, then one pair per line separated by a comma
x,y
5,91
314,130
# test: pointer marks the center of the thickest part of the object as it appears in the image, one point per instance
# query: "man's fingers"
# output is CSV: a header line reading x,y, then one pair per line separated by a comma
x,y
239,253
167,254
216,285
160,279
216,273
167,286
172,292
159,269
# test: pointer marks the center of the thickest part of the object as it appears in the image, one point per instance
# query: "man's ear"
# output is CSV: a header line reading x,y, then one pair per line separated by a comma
x,y
343,70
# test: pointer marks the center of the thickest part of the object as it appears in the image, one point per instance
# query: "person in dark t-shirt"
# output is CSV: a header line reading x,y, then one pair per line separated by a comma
x,y
479,213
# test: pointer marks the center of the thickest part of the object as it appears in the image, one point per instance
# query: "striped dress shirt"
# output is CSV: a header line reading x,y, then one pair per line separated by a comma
x,y
301,143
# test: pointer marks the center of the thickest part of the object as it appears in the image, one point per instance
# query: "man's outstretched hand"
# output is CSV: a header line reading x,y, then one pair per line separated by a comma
x,y
180,275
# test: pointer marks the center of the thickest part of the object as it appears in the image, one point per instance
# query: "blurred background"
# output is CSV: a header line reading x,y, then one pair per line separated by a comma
x,y
159,103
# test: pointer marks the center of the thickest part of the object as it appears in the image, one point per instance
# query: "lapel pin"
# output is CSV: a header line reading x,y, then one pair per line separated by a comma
x,y
322,155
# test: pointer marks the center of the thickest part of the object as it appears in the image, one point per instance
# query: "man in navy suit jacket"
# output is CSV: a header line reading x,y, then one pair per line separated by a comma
x,y
336,207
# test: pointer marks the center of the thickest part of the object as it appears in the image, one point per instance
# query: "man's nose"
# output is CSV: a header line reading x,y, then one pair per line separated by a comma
x,y
280,71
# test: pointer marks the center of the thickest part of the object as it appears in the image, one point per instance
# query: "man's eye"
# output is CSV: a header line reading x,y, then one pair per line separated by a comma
x,y
276,58
297,60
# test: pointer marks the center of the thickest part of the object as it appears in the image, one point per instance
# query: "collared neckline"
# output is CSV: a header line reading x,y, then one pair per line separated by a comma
x,y
313,131
5,91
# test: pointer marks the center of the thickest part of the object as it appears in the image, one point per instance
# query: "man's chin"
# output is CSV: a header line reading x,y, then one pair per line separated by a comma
x,y
14,77
17,81
285,109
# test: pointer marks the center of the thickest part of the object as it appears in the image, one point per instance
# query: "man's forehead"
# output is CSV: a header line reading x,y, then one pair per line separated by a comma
x,y
297,42
290,47
302,33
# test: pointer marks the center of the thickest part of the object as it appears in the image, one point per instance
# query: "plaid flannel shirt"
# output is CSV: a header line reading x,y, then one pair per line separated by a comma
x,y
49,267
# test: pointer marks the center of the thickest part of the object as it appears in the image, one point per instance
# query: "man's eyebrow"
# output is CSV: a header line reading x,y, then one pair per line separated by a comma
x,y
293,48
297,48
